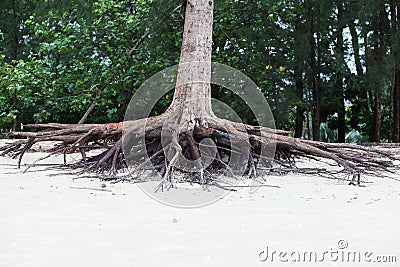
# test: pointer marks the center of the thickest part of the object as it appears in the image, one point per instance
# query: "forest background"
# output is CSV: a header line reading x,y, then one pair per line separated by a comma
x,y
330,70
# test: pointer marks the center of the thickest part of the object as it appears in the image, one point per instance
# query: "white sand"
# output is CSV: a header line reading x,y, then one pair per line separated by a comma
x,y
45,222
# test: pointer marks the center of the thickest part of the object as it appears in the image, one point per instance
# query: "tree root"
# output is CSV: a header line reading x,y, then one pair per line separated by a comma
x,y
230,140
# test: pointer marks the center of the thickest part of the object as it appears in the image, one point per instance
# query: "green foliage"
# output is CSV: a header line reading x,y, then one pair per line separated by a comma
x,y
58,57
79,52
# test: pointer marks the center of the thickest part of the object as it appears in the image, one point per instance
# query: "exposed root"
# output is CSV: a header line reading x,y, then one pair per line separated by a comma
x,y
230,141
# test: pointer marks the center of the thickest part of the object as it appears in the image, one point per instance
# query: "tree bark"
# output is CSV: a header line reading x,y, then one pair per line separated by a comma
x,y
379,51
396,104
298,77
339,50
15,58
369,63
361,103
312,76
356,49
300,105
396,71
193,89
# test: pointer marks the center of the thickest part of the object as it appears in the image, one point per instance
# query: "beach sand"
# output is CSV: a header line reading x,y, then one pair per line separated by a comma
x,y
48,218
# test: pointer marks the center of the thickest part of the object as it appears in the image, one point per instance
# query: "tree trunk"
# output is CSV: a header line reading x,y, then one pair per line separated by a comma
x,y
356,49
379,51
369,66
300,105
361,103
192,96
298,75
396,104
396,72
362,99
15,58
339,50
308,105
312,75
377,114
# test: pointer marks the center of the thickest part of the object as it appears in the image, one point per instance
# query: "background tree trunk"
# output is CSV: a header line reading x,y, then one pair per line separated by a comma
x,y
311,75
15,58
356,48
339,50
298,76
395,20
379,52
300,106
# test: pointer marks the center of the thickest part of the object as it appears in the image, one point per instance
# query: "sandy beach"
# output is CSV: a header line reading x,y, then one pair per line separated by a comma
x,y
48,218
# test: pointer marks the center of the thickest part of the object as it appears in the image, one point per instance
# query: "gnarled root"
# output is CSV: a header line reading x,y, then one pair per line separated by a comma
x,y
229,140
